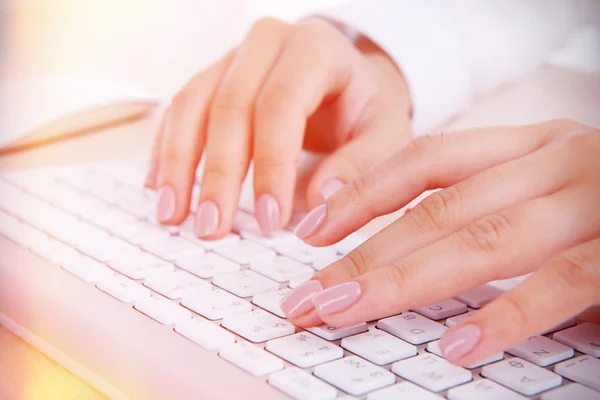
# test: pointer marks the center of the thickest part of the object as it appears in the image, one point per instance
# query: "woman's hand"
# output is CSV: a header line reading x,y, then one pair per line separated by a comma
x,y
514,200
285,88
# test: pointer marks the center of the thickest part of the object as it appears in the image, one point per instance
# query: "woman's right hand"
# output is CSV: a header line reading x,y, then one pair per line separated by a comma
x,y
284,88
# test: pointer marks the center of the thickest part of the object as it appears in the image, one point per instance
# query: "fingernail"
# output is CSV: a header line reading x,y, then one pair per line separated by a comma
x,y
151,176
330,187
165,209
337,298
313,220
207,219
460,342
267,214
299,301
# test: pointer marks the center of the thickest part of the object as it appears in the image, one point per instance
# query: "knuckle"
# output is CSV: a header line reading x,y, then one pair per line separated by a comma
x,y
436,211
358,261
513,306
398,274
228,104
488,235
274,99
222,172
573,268
426,145
358,190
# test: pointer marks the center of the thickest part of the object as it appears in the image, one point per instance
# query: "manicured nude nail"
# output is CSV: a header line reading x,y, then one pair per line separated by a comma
x,y
207,219
299,301
151,176
311,223
337,298
167,201
458,343
267,214
330,187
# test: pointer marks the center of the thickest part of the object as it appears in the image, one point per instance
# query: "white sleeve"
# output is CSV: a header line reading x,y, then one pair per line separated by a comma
x,y
450,52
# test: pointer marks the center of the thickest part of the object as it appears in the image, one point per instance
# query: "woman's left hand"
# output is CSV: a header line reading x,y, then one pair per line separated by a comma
x,y
515,200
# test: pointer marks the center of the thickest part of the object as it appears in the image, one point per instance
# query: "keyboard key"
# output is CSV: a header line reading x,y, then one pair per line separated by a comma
x,y
443,309
270,301
480,296
258,326
431,372
216,304
434,347
322,263
304,349
140,233
282,269
207,265
354,375
186,230
582,369
108,250
251,359
175,285
245,283
304,253
140,265
87,269
348,244
204,333
459,318
584,338
123,289
301,385
173,248
329,332
521,376
403,391
379,347
54,251
162,310
412,327
246,252
572,391
541,351
298,280
111,218
483,389
247,226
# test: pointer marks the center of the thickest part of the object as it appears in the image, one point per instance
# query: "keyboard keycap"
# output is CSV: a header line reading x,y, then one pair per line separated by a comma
x,y
173,248
175,285
251,359
434,347
431,372
459,318
270,301
140,233
111,218
522,376
186,230
354,375
258,326
541,351
216,304
301,386
298,280
281,269
140,265
480,296
207,265
403,391
304,253
348,244
584,338
443,309
123,289
246,252
379,347
412,327
107,250
87,269
304,349
162,310
247,226
572,391
483,389
54,251
245,283
331,333
204,333
582,369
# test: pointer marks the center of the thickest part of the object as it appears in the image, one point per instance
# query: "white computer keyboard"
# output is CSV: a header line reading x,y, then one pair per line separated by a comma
x,y
97,223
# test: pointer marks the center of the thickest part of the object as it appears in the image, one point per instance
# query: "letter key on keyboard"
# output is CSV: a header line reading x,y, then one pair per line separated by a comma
x,y
379,347
258,326
301,385
431,372
412,327
304,349
582,369
354,375
522,376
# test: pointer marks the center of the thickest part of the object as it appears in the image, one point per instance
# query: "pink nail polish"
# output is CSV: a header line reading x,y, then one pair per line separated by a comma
x,y
337,298
151,176
299,301
330,187
165,209
458,343
207,219
267,214
311,223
